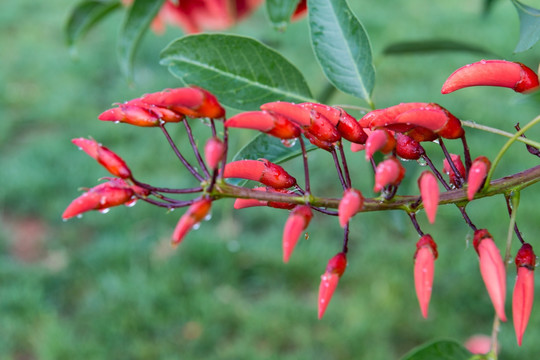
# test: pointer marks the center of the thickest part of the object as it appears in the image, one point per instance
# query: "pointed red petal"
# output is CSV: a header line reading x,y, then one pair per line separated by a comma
x,y
429,190
294,112
214,149
351,203
194,215
381,140
424,269
492,269
502,73
477,175
327,287
297,222
388,172
456,159
257,120
522,300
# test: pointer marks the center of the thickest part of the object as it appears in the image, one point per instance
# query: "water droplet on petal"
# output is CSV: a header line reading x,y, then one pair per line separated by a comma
x,y
161,122
208,217
104,211
197,226
79,216
421,162
510,260
131,202
117,121
436,141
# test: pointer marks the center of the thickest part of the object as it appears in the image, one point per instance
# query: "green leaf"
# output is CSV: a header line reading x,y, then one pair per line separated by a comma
x,y
342,47
438,350
242,72
433,45
280,12
85,15
269,148
529,26
137,21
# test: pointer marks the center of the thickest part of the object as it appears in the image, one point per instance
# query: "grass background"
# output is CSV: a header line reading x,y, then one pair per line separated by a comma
x,y
110,287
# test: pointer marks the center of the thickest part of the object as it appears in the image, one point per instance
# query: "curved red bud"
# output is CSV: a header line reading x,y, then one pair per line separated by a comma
x,y
272,124
194,215
329,280
379,140
131,114
262,170
492,269
429,191
513,75
523,296
388,172
477,174
351,203
190,101
456,159
108,159
408,148
103,196
424,269
296,223
293,112
247,203
214,150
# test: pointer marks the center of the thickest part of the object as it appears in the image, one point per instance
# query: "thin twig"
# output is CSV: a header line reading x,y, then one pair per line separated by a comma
x,y
196,149
190,168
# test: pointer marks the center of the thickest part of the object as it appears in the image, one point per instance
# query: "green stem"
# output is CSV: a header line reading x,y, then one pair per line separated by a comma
x,y
496,131
506,146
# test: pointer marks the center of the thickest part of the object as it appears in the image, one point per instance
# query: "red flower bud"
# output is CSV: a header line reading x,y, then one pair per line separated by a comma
x,y
270,123
408,148
262,171
502,73
101,197
351,203
424,268
492,269
131,114
108,159
214,150
459,166
388,172
245,203
194,215
297,222
522,300
429,191
191,101
379,140
477,174
329,280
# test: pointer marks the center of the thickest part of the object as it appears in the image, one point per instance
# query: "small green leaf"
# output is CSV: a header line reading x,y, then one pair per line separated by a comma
x,y
529,26
433,45
242,72
438,350
85,15
342,47
137,21
280,12
269,148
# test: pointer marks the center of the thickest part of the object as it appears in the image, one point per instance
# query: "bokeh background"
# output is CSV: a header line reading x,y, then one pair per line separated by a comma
x,y
111,287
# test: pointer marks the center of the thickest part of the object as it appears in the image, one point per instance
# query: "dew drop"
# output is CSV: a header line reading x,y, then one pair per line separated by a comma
x,y
79,216
104,211
117,121
161,122
208,217
510,260
131,203
80,148
421,162
197,226
288,142
64,220
103,200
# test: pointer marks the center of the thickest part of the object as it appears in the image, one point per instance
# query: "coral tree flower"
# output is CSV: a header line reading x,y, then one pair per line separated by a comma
x,y
110,161
492,269
214,151
424,268
456,159
262,170
351,203
513,75
388,172
429,191
523,297
477,174
194,215
101,197
297,222
329,280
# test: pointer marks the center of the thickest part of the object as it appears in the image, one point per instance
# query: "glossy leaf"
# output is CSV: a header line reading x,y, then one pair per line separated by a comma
x,y
280,12
433,45
138,19
86,15
270,148
342,47
438,350
242,72
529,26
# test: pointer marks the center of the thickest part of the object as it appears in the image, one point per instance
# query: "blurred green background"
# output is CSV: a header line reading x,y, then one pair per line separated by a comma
x,y
111,287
